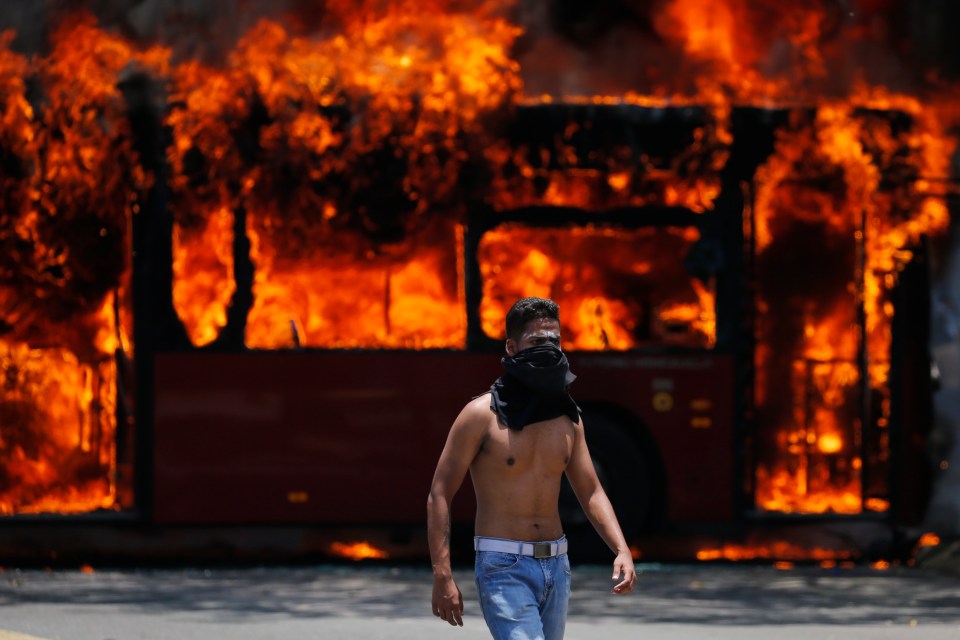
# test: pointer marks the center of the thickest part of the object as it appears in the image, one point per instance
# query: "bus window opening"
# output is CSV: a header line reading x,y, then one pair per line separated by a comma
x,y
619,288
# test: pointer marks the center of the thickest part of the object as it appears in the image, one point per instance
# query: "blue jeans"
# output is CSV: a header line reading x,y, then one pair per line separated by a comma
x,y
521,597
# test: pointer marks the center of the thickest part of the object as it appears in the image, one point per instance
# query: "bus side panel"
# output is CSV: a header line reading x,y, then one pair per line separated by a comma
x,y
353,437
686,401
307,437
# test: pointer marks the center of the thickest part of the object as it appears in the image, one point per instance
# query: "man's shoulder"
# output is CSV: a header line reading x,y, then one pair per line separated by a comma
x,y
478,407
476,413
474,418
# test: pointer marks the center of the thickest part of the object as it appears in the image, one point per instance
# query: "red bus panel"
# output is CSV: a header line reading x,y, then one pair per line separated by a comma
x,y
353,437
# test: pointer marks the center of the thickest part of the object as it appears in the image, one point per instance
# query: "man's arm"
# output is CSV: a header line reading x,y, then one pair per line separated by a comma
x,y
583,479
463,443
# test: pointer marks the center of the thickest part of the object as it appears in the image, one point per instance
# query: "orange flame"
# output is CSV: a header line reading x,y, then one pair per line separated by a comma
x,y
68,217
928,539
598,311
825,179
340,158
65,431
781,551
417,99
357,551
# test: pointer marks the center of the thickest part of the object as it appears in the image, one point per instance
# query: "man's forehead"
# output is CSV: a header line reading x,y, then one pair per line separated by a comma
x,y
542,327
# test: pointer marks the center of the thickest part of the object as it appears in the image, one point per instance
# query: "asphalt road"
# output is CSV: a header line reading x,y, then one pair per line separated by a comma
x,y
672,602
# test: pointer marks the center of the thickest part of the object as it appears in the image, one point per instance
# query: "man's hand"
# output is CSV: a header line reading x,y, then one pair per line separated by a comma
x,y
448,601
623,566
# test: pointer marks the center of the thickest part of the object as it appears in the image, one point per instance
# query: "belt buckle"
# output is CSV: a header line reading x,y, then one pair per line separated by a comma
x,y
541,550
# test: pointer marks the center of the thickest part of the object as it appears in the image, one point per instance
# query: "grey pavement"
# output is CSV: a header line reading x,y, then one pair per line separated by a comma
x,y
673,602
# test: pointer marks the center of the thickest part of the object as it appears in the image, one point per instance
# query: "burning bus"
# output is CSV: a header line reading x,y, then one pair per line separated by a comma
x,y
257,292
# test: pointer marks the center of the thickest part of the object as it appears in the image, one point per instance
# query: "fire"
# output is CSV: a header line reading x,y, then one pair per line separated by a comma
x,y
861,228
597,308
568,171
322,185
781,551
70,192
210,281
331,107
357,551
706,29
412,301
65,429
203,198
929,539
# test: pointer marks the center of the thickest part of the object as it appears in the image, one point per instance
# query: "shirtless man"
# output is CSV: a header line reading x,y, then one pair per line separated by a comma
x,y
517,441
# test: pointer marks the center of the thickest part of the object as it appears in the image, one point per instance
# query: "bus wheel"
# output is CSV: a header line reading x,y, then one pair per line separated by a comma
x,y
624,473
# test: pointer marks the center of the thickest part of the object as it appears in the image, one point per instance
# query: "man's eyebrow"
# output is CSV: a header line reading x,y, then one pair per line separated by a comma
x,y
550,335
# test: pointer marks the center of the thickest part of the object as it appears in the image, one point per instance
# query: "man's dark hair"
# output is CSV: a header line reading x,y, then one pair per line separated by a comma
x,y
527,309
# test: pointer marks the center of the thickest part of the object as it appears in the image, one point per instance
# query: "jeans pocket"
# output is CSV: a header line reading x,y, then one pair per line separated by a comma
x,y
489,562
565,564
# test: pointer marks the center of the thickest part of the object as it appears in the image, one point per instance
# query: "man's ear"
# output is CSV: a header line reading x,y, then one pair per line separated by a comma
x,y
511,347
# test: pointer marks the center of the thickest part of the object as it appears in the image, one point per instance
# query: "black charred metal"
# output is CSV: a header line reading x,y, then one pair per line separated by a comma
x,y
654,137
155,321
911,398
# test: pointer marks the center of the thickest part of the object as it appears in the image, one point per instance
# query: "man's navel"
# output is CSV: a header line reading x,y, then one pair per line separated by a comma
x,y
510,461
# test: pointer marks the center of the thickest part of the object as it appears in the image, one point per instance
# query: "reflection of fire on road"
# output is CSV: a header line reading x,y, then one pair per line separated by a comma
x,y
341,157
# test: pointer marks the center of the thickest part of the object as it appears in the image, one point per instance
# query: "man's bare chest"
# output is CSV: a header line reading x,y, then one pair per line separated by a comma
x,y
544,446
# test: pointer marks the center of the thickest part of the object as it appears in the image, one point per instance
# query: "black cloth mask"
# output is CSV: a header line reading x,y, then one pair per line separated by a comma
x,y
534,387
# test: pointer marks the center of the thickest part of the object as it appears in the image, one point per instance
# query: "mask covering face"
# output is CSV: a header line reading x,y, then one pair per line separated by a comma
x,y
534,388
543,368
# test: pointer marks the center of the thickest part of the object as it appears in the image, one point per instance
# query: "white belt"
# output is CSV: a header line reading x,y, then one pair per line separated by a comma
x,y
535,549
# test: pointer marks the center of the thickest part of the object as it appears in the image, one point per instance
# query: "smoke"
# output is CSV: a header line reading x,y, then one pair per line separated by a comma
x,y
196,29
